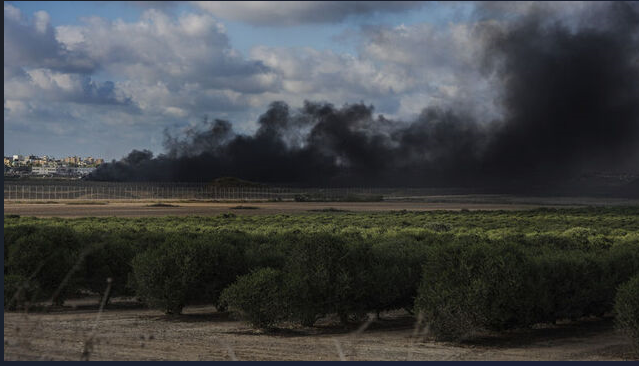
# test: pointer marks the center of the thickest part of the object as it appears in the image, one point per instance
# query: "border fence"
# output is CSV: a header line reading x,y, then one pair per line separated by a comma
x,y
83,190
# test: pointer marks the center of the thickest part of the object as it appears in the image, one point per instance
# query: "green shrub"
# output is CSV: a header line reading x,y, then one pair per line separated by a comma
x,y
575,283
18,291
265,251
46,255
622,262
324,275
627,310
565,281
439,226
258,297
468,288
11,234
502,285
110,258
184,270
395,274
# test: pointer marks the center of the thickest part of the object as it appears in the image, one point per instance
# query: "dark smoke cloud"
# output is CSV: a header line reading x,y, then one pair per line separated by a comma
x,y
569,100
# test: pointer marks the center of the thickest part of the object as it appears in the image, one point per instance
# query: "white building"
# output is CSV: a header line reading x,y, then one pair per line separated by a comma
x,y
61,170
81,171
44,170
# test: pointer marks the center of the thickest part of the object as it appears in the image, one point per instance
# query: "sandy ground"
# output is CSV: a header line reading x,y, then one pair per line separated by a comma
x,y
139,209
128,332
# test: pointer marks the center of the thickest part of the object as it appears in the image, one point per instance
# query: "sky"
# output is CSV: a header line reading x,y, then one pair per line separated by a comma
x,y
102,78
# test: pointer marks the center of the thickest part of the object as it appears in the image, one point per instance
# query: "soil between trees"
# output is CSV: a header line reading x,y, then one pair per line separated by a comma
x,y
127,331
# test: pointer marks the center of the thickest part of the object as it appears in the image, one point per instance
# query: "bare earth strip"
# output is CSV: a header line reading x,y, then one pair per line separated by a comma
x,y
203,334
140,209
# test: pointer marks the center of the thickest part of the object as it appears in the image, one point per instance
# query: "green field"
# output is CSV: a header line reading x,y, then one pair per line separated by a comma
x,y
457,271
611,222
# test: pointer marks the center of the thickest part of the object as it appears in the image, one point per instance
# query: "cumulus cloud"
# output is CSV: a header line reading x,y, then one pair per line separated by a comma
x,y
307,70
400,69
192,48
155,4
164,67
439,63
48,85
158,71
290,13
39,68
32,43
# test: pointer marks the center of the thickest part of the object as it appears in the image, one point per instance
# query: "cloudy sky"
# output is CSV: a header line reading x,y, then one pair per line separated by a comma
x,y
102,78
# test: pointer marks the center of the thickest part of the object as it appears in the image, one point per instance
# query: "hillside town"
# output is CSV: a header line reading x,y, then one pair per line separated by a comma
x,y
48,166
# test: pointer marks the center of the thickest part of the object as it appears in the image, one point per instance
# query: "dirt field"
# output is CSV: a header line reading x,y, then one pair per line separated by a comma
x,y
139,209
79,208
128,332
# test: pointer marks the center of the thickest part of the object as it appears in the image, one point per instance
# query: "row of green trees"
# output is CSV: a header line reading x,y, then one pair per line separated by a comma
x,y
459,283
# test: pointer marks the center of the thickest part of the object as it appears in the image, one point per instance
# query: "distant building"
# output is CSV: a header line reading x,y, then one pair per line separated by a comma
x,y
44,170
72,160
82,171
65,171
38,162
71,166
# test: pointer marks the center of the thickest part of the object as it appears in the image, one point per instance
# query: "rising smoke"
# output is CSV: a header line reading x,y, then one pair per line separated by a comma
x,y
569,100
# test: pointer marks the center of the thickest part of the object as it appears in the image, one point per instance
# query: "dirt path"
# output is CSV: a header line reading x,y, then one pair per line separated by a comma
x,y
126,333
139,209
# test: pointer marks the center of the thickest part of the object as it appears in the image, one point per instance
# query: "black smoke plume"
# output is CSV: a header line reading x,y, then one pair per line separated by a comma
x,y
569,99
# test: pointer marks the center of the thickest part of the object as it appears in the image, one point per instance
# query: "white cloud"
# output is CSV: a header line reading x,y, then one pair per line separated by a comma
x,y
32,43
45,85
190,49
442,63
180,67
400,70
290,13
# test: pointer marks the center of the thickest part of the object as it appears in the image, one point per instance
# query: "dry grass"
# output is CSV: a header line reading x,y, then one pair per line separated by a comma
x,y
89,342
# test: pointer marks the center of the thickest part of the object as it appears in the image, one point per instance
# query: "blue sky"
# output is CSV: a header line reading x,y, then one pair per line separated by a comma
x,y
102,78
245,36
